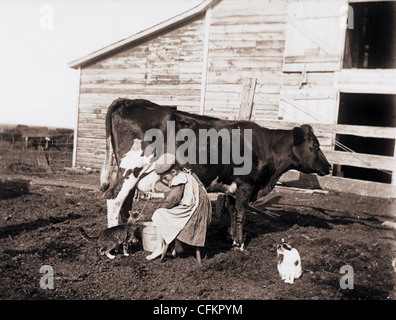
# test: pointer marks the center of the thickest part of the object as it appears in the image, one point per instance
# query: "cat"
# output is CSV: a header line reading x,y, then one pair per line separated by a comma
x,y
289,263
111,238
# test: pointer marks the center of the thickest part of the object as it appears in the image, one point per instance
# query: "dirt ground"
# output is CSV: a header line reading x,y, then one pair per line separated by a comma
x,y
329,230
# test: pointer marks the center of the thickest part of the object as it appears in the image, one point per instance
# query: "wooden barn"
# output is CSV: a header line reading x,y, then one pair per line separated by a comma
x,y
280,63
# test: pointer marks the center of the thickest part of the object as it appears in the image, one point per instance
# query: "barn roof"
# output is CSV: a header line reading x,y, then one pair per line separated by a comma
x,y
187,15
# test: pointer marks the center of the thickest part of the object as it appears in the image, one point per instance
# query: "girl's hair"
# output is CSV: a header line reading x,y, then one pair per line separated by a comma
x,y
177,167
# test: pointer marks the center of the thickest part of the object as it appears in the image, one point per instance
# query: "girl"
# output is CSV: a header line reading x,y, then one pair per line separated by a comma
x,y
187,211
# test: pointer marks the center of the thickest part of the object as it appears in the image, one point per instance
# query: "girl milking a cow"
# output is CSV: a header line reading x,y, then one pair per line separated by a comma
x,y
187,210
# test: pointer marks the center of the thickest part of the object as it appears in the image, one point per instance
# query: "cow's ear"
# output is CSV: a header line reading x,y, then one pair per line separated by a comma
x,y
298,136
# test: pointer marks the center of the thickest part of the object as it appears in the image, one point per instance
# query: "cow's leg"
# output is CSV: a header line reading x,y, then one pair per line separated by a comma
x,y
242,198
118,208
127,206
134,164
107,167
114,205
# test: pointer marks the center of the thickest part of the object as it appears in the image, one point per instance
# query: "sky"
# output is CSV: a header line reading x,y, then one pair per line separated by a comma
x,y
39,38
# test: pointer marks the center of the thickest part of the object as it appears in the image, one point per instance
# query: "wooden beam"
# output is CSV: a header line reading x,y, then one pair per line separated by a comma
x,y
377,81
361,131
205,60
338,184
42,160
76,121
249,88
394,166
361,160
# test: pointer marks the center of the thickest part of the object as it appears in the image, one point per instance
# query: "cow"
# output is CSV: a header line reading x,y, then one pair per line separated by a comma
x,y
129,138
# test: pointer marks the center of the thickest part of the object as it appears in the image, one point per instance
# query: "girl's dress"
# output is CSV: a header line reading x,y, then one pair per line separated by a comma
x,y
189,219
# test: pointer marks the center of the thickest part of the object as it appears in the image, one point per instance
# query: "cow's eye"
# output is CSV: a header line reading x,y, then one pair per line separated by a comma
x,y
314,148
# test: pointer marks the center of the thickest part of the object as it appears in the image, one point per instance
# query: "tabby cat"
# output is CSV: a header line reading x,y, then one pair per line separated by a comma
x,y
111,238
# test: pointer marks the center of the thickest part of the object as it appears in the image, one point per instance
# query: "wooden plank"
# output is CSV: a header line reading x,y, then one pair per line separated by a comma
x,y
268,36
225,62
91,133
394,169
362,131
365,131
205,62
42,160
265,8
91,103
379,81
239,43
129,90
360,187
249,88
270,78
366,88
147,88
254,52
249,19
312,59
361,160
368,76
249,28
77,118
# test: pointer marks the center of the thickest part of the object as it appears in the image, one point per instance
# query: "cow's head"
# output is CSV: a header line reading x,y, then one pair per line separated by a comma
x,y
306,154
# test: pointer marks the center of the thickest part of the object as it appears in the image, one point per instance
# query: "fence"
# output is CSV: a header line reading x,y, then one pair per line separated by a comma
x,y
20,153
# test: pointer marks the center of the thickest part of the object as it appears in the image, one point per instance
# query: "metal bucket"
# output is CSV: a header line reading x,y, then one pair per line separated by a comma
x,y
149,236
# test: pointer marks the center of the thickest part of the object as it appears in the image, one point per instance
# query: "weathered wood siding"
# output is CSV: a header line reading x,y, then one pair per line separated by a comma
x,y
247,39
165,69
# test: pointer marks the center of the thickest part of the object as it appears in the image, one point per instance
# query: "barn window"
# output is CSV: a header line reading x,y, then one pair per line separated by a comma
x,y
371,39
315,33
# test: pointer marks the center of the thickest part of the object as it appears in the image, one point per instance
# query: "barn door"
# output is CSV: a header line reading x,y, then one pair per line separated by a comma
x,y
315,35
310,105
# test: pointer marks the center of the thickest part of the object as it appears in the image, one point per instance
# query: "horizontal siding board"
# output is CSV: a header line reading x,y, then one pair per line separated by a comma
x,y
275,35
253,19
249,28
265,7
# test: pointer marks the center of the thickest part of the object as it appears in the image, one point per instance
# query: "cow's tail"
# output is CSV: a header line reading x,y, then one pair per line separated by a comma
x,y
84,234
107,167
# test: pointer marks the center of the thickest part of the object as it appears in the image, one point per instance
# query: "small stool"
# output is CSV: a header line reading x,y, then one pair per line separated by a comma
x,y
197,254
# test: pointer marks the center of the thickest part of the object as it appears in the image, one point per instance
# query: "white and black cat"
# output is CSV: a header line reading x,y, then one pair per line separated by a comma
x,y
111,238
289,263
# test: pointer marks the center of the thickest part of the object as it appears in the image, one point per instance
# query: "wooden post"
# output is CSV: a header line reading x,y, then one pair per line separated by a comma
x,y
42,160
394,167
76,120
205,61
249,87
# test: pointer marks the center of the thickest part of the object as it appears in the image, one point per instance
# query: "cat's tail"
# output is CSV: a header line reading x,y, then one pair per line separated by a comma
x,y
84,234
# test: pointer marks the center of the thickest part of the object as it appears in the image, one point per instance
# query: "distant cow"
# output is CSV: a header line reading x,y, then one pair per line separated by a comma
x,y
245,159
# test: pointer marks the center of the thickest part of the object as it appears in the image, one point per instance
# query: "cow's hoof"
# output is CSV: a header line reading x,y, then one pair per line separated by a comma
x,y
238,247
